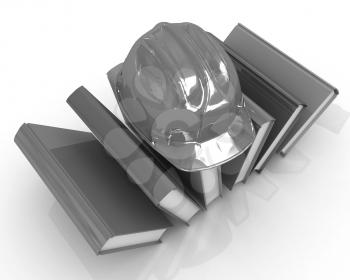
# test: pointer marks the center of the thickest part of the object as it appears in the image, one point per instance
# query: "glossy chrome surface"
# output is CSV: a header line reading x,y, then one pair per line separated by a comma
x,y
180,91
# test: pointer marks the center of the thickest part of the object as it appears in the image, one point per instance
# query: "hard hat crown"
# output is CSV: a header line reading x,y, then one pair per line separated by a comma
x,y
179,90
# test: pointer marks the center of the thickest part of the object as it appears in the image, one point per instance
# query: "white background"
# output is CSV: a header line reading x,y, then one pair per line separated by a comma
x,y
291,222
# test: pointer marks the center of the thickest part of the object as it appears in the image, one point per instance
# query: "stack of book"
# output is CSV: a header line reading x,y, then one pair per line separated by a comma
x,y
121,193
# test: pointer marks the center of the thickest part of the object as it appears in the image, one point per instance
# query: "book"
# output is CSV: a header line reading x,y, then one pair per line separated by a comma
x,y
283,107
153,177
238,169
109,210
197,185
298,81
231,169
263,123
204,186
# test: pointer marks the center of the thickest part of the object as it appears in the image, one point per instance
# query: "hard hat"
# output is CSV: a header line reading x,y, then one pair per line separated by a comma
x,y
179,91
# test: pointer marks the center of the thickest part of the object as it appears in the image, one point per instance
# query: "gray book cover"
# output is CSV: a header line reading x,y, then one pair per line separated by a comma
x,y
239,169
109,210
231,169
298,81
263,123
156,179
278,103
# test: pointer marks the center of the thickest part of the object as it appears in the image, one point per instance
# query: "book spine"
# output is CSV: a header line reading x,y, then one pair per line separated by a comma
x,y
83,216
121,144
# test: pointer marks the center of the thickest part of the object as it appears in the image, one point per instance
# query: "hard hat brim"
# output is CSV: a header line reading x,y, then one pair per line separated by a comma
x,y
192,157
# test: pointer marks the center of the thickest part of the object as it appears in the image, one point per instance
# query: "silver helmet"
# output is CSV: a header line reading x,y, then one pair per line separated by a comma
x,y
179,90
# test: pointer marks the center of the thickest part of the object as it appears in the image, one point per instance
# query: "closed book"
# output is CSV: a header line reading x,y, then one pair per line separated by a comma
x,y
263,123
278,103
153,177
109,210
202,186
239,169
298,81
231,169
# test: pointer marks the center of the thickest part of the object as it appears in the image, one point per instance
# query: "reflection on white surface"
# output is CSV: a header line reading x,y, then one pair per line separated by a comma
x,y
333,118
293,162
209,234
261,186
183,246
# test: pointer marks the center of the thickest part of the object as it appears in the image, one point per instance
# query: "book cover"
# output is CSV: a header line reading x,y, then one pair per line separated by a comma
x,y
283,107
298,81
263,123
152,176
239,169
231,169
109,210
